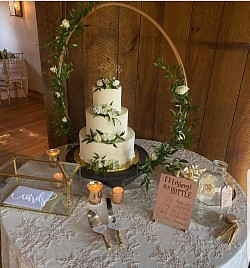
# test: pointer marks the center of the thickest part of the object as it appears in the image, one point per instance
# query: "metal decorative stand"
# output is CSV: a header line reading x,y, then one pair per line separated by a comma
x,y
112,178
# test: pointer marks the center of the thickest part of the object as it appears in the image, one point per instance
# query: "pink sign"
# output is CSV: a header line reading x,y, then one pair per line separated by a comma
x,y
175,201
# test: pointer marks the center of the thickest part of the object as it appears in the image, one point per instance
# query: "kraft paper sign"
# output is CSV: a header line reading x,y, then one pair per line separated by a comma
x,y
175,201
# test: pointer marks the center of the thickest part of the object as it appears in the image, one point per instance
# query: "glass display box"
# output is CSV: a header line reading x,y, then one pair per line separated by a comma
x,y
40,185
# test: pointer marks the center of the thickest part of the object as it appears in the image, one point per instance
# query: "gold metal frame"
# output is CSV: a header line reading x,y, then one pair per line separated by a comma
x,y
67,180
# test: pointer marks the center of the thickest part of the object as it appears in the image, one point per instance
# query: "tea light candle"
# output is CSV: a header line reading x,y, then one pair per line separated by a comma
x,y
95,192
53,156
59,177
117,195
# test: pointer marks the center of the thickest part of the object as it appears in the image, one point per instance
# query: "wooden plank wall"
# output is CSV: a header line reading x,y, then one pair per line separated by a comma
x,y
213,40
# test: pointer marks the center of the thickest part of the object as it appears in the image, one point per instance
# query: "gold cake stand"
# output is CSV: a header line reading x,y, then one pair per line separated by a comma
x,y
118,177
125,166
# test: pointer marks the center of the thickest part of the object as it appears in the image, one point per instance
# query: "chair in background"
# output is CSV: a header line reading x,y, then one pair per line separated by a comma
x,y
13,76
3,79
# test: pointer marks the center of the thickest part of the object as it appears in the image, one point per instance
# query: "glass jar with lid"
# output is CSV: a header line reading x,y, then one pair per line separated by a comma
x,y
211,205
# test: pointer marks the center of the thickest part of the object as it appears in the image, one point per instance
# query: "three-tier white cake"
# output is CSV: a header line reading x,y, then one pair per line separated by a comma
x,y
107,140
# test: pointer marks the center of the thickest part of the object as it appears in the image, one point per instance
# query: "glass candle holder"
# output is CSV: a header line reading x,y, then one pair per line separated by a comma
x,y
95,192
59,177
53,155
117,195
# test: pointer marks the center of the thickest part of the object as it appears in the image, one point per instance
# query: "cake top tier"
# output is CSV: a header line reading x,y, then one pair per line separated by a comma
x,y
107,91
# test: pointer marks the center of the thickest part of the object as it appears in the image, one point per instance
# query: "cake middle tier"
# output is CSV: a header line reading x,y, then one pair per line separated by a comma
x,y
117,124
123,152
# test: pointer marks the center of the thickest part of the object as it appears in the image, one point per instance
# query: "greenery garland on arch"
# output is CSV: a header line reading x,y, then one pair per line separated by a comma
x,y
58,48
181,128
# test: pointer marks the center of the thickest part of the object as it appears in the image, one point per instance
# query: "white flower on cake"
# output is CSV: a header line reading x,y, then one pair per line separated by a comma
x,y
97,109
110,114
103,83
105,80
99,83
65,24
100,165
98,138
116,83
108,138
105,136
106,111
115,164
111,136
64,119
181,90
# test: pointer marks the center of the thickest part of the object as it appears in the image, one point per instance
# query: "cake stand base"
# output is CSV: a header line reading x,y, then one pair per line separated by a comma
x,y
114,178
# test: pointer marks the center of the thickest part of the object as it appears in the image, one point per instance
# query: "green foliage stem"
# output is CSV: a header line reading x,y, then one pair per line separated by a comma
x,y
57,49
181,129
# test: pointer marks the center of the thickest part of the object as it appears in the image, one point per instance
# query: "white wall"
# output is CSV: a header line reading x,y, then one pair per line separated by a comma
x,y
19,34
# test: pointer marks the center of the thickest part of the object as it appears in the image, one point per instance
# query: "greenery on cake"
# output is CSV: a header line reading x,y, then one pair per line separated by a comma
x,y
60,70
100,165
107,138
181,128
104,83
106,111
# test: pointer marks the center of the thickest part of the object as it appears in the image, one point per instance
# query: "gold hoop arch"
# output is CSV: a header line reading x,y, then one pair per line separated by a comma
x,y
168,39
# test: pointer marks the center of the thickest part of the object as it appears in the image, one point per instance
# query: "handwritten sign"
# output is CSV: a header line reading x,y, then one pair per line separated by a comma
x,y
175,201
27,197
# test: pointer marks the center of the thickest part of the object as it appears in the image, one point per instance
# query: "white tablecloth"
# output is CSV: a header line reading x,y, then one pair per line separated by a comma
x,y
33,239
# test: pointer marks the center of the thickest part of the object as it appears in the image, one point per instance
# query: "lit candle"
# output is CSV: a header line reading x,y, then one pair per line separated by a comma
x,y
53,156
59,177
95,192
117,195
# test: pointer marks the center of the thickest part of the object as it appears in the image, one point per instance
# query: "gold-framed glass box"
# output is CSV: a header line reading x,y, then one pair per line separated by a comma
x,y
40,185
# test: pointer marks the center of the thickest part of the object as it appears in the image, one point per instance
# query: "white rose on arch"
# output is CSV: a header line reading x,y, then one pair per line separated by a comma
x,y
181,136
53,69
57,94
181,90
65,24
64,119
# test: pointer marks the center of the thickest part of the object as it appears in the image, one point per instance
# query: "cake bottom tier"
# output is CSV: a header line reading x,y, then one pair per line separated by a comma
x,y
123,153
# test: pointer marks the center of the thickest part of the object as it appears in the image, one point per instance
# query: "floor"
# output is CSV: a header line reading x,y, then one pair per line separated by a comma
x,y
23,129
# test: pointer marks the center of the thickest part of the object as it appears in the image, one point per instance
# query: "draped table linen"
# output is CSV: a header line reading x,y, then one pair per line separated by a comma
x,y
33,239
